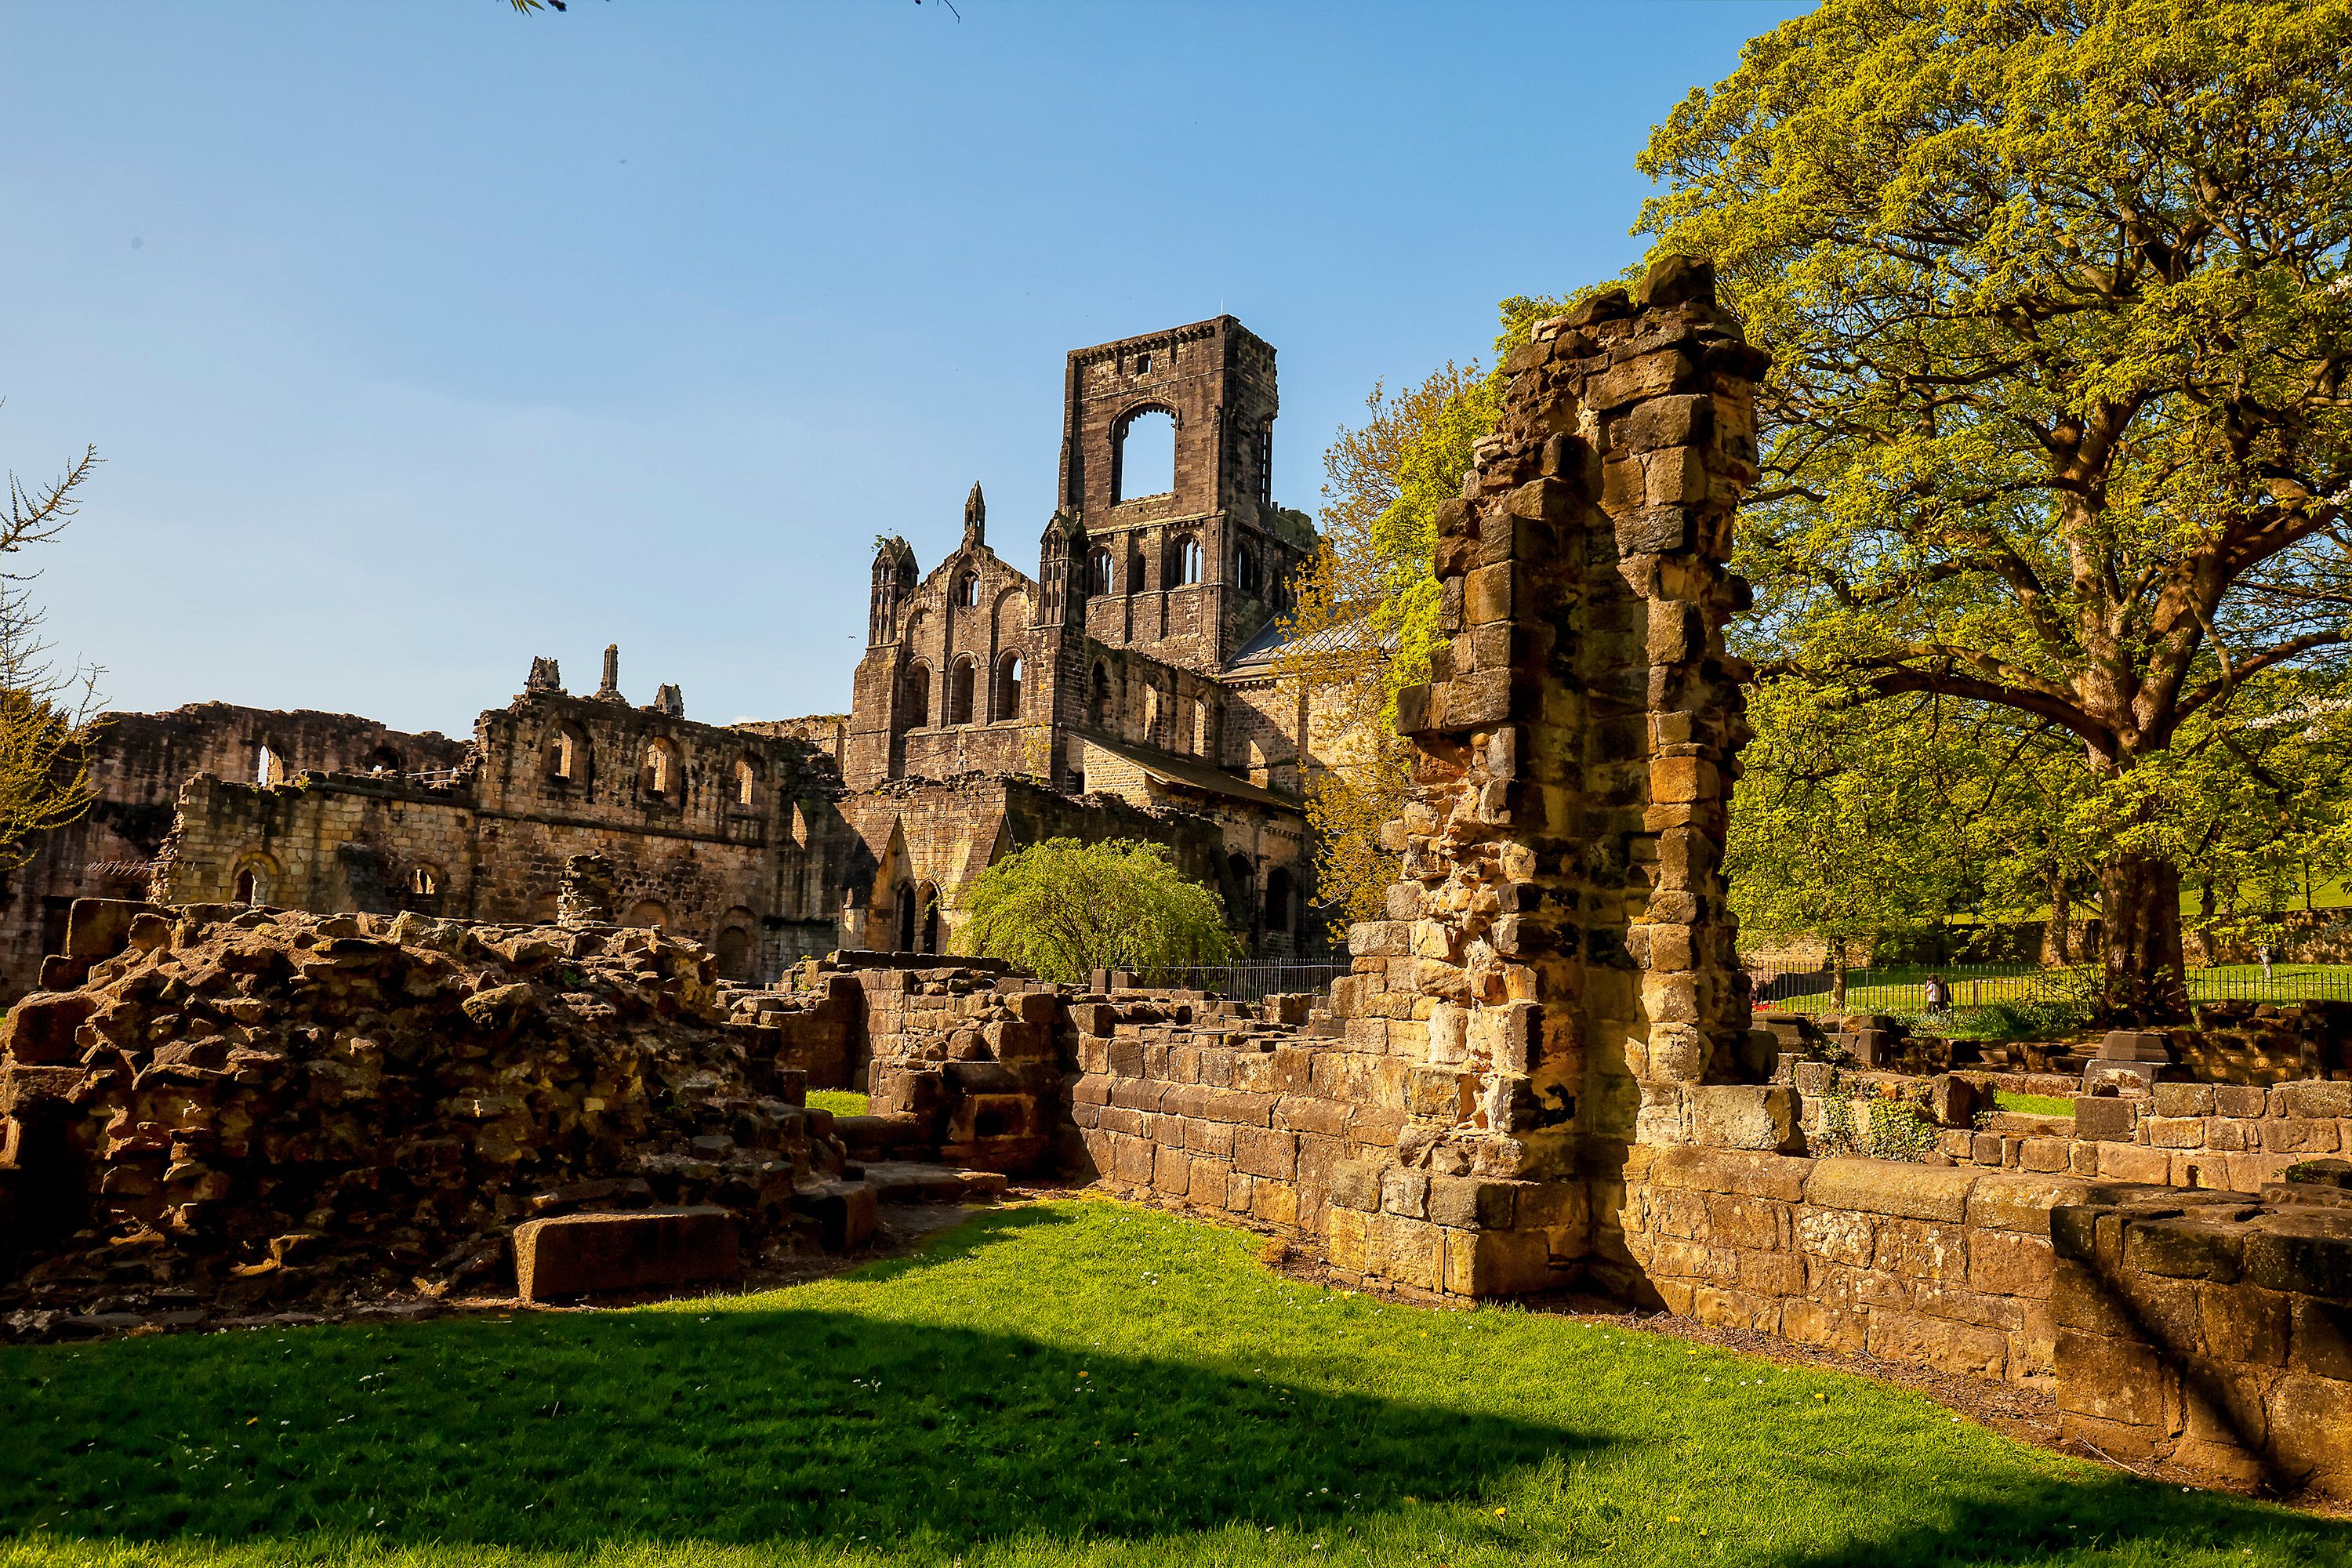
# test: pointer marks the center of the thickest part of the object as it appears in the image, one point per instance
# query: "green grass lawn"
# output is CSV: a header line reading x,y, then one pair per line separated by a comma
x,y
2033,1104
1074,1382
840,1101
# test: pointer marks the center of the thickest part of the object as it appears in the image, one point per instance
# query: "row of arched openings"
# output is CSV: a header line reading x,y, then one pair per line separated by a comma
x,y
661,769
1184,568
963,705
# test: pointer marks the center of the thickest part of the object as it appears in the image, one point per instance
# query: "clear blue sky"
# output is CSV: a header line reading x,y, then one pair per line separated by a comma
x,y
420,337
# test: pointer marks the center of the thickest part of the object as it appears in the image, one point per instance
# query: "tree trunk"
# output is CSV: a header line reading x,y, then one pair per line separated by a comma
x,y
1837,977
2062,921
2139,896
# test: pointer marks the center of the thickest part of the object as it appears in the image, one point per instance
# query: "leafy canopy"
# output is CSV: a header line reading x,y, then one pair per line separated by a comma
x,y
1059,909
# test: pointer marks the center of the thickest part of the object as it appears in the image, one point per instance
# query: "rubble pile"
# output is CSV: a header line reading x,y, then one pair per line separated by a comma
x,y
243,1109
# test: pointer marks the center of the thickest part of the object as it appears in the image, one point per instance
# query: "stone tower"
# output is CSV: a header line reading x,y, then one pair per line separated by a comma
x,y
1184,573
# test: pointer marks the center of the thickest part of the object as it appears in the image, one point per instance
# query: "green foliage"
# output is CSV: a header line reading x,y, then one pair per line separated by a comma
x,y
840,1101
1060,908
2032,1104
2056,300
1074,1383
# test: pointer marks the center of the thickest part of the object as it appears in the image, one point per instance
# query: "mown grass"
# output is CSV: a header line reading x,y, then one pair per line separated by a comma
x,y
1070,1383
840,1101
2033,1104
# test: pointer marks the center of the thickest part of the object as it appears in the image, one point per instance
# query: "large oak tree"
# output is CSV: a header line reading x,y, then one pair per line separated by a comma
x,y
2057,303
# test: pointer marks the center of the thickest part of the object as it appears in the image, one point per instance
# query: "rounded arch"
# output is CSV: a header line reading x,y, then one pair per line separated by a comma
x,y
1248,570
1143,452
425,881
1240,888
961,681
383,760
1010,615
733,943
1099,578
1007,702
903,915
967,589
915,697
927,932
745,787
254,877
651,913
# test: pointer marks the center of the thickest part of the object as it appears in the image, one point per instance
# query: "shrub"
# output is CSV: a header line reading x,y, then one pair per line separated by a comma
x,y
1060,907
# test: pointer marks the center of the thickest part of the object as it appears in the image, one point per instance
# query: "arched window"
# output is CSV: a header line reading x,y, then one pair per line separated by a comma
x,y
1143,455
649,913
1098,570
960,684
383,760
567,754
267,767
1279,916
424,881
1184,563
1008,686
661,768
915,700
1241,888
1099,700
735,953
747,783
1245,570
966,590
928,936
903,907
249,890
254,877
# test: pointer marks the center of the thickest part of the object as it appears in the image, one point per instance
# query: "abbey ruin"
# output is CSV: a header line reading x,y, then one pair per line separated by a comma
x,y
1128,690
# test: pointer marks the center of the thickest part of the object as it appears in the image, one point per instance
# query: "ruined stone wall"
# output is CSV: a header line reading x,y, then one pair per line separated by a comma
x,y
137,766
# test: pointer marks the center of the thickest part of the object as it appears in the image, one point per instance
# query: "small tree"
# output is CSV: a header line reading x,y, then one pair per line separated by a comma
x,y
47,715
1060,908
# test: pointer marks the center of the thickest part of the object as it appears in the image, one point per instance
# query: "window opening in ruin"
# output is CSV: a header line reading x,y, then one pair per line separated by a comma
x,y
649,912
1245,569
661,768
960,691
1278,913
1008,686
735,953
1201,739
1241,888
1265,463
967,592
1185,568
1078,781
265,765
564,756
383,760
1098,570
252,885
1143,459
929,896
1098,703
747,781
1143,364
914,706
424,881
904,906
245,887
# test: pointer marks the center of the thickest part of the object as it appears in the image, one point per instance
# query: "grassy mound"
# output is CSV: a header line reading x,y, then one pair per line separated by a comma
x,y
1070,1383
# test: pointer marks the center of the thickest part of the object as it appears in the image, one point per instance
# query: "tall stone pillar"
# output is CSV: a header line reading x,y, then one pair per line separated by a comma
x,y
1560,922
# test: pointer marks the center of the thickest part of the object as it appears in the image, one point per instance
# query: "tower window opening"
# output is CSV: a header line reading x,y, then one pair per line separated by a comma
x,y
1098,570
746,782
1185,562
967,592
1143,458
915,700
1099,702
959,692
1008,686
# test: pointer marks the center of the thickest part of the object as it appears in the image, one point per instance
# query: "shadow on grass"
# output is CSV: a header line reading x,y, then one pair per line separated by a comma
x,y
2104,1518
744,1424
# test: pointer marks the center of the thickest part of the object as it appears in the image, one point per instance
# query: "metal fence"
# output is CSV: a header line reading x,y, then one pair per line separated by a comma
x,y
1244,982
1904,988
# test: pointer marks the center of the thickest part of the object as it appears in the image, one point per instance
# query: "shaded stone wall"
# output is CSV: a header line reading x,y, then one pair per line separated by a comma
x,y
137,767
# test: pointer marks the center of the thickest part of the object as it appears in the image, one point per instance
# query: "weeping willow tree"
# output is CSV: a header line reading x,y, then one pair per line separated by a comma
x,y
1060,908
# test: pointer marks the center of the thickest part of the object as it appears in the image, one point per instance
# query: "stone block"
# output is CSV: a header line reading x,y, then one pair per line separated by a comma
x,y
2007,1201
2107,1117
2184,1249
2130,1163
2320,1342
2185,1100
650,1249
2315,1101
2307,1251
39,1028
2111,1379
2008,1263
1499,1263
1742,1116
2310,1430
2135,1045
1464,1202
1891,1187
1939,1342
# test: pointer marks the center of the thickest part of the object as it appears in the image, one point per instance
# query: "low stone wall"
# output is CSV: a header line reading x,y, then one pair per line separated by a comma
x,y
1947,1268
2224,1137
2212,1334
